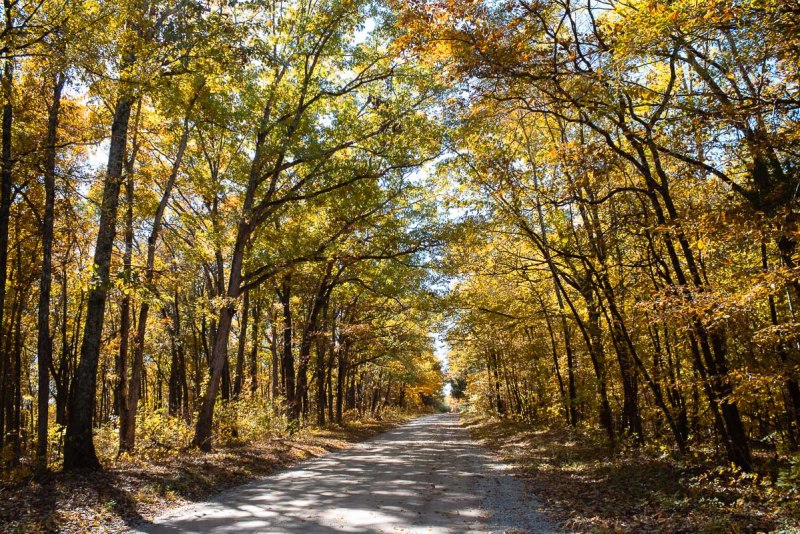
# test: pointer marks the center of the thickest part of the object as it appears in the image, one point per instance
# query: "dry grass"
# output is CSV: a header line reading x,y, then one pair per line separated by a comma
x,y
129,492
587,487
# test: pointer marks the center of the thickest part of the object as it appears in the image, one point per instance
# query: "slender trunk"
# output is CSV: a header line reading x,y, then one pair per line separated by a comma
x,y
626,358
320,369
203,427
571,385
178,385
274,361
592,332
287,364
598,361
572,409
341,375
495,378
219,355
556,365
351,389
64,375
173,385
15,426
124,384
329,371
256,341
225,388
44,342
792,389
239,378
714,350
128,422
6,182
310,332
79,449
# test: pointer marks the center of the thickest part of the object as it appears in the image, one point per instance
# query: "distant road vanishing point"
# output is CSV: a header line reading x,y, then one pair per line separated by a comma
x,y
427,476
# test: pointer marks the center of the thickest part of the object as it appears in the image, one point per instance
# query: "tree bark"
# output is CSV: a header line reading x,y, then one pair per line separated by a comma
x,y
44,342
275,363
6,182
79,449
123,382
341,375
256,341
219,354
310,331
320,392
239,376
287,363
178,387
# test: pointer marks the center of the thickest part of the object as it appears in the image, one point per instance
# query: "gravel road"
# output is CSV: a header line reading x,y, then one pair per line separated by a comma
x,y
426,476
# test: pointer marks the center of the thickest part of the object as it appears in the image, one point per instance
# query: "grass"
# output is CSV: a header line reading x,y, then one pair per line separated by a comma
x,y
588,487
131,491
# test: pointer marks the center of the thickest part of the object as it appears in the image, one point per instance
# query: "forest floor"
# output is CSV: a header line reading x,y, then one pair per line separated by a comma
x,y
585,486
129,492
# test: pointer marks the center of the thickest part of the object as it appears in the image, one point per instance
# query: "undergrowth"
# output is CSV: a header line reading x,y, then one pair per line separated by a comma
x,y
589,487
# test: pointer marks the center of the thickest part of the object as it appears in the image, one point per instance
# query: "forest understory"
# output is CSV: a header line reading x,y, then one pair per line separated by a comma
x,y
132,490
585,486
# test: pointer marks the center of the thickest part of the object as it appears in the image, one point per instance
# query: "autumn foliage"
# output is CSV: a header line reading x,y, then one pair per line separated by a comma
x,y
626,176
221,219
208,229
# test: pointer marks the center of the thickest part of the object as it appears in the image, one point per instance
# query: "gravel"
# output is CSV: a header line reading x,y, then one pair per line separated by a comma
x,y
425,476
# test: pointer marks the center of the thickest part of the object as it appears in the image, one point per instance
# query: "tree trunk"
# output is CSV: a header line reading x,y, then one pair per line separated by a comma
x,y
204,425
792,400
79,449
15,427
256,341
225,390
329,371
341,375
320,369
712,343
239,378
44,343
310,332
6,182
598,361
127,431
572,409
63,378
178,395
287,363
275,361
219,355
124,384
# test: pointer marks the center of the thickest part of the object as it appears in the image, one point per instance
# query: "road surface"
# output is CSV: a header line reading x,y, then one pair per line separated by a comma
x,y
427,476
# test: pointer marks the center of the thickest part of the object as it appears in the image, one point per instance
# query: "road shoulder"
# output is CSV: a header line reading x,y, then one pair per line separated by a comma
x,y
133,492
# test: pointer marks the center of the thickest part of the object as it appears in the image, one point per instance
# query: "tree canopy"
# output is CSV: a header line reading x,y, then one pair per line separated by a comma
x,y
228,216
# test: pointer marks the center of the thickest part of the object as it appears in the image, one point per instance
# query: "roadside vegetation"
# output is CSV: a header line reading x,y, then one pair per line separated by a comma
x,y
585,486
135,489
223,221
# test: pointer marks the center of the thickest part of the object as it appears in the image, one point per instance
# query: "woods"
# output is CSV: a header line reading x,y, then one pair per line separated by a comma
x,y
628,258
208,205
221,219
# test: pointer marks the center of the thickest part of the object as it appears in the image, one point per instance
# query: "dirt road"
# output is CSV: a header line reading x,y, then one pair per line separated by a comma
x,y
426,476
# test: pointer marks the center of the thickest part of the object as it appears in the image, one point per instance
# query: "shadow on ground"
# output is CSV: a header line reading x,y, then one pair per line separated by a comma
x,y
589,487
427,476
128,492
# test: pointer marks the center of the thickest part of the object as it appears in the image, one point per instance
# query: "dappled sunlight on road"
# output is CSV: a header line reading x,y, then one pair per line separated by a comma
x,y
426,476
